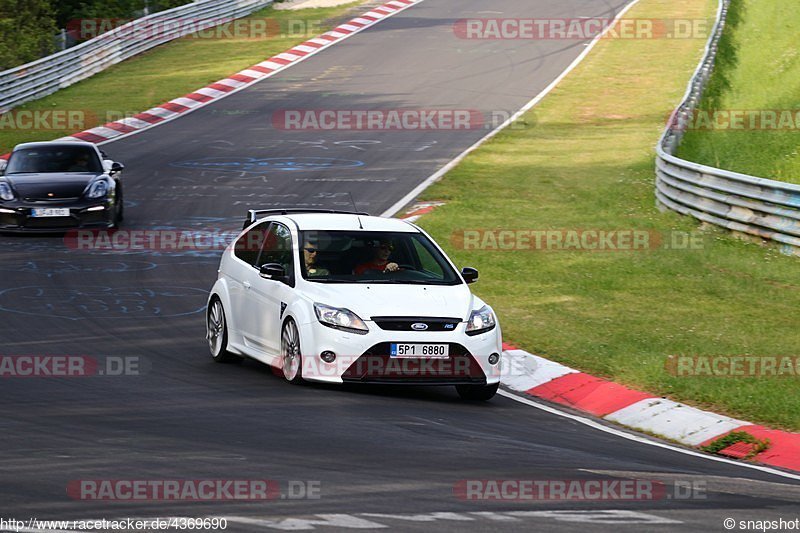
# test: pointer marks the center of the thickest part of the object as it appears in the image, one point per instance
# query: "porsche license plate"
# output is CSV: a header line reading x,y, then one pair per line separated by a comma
x,y
50,212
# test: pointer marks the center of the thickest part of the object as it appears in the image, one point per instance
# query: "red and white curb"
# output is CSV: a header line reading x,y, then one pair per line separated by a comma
x,y
416,211
539,377
241,80
536,376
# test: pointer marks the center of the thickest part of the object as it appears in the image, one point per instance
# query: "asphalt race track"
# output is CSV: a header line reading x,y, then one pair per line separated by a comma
x,y
381,456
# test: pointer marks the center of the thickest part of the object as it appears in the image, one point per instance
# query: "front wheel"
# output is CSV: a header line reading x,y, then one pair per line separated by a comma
x,y
477,393
217,334
121,202
119,209
291,358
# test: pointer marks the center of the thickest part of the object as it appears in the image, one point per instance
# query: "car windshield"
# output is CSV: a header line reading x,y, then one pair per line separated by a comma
x,y
47,159
370,257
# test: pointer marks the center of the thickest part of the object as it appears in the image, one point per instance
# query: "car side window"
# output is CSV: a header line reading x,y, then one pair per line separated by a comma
x,y
249,245
426,260
277,248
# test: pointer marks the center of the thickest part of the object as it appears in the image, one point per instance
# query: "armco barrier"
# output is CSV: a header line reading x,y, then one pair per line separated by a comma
x,y
755,206
49,74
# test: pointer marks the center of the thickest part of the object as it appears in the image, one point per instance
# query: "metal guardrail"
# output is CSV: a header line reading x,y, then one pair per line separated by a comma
x,y
49,74
755,206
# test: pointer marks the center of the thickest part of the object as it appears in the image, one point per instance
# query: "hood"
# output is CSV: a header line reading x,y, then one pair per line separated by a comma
x,y
42,186
369,300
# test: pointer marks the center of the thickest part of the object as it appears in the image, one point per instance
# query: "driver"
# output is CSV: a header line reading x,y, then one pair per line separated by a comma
x,y
310,251
380,259
80,163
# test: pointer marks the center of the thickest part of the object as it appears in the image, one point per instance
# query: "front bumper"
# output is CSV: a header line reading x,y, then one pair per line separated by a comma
x,y
17,217
366,358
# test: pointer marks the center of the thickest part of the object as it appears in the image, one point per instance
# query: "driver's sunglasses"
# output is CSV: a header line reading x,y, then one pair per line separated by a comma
x,y
386,247
312,250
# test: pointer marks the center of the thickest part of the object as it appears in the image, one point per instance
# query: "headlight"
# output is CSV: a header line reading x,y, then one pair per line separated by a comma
x,y
343,319
481,321
98,190
5,191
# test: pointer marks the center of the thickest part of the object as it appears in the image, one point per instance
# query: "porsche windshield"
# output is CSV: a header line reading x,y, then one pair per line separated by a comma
x,y
368,257
55,159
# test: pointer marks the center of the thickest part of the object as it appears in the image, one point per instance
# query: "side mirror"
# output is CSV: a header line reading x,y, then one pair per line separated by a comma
x,y
272,271
3,165
117,167
469,274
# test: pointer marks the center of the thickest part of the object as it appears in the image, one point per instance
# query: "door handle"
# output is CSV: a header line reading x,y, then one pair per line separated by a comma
x,y
246,284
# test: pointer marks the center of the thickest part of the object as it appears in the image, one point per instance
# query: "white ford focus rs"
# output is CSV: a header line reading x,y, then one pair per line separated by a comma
x,y
351,298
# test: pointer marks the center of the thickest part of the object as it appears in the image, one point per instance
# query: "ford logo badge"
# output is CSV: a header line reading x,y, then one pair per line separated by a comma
x,y
419,326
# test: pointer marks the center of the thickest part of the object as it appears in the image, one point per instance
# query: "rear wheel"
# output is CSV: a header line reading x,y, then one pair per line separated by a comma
x,y
291,358
477,393
217,334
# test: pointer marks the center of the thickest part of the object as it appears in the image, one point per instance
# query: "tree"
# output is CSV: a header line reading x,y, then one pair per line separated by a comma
x,y
28,27
106,14
69,10
27,30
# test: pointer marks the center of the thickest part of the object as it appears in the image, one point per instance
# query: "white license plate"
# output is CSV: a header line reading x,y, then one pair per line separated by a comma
x,y
424,351
50,212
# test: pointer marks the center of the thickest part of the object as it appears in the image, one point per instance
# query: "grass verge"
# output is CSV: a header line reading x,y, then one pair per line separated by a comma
x,y
760,71
588,164
170,71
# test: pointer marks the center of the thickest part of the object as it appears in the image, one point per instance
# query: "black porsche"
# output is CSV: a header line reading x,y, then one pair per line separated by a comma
x,y
59,185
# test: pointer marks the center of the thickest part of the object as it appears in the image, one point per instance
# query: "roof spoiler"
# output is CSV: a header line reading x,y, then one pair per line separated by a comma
x,y
255,214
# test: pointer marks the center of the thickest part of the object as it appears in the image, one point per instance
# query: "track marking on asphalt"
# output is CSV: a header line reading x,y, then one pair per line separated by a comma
x,y
408,198
641,438
245,85
713,484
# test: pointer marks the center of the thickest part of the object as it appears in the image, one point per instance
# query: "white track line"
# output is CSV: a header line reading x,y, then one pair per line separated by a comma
x,y
356,31
407,199
586,421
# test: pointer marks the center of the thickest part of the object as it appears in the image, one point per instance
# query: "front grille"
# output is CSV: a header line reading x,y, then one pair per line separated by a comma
x,y
377,366
52,222
33,200
405,323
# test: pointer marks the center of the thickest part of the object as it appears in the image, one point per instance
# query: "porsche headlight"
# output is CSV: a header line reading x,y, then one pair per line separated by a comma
x,y
343,319
5,191
481,321
99,189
